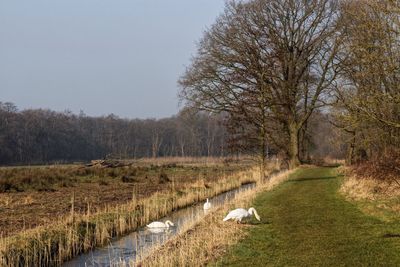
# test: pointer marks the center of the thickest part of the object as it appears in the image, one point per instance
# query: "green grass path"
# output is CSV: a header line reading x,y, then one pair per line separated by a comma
x,y
305,222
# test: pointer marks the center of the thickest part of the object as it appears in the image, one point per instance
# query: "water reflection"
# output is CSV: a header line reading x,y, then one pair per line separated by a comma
x,y
160,230
142,240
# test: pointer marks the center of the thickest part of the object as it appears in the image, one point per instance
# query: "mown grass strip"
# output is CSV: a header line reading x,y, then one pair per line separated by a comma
x,y
307,223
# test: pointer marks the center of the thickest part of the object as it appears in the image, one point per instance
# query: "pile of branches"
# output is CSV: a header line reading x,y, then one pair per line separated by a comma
x,y
107,164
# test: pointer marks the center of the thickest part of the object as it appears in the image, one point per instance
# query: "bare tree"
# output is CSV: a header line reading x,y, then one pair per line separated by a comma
x,y
266,60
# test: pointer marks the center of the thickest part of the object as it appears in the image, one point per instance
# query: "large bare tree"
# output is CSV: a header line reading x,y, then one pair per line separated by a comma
x,y
270,61
226,76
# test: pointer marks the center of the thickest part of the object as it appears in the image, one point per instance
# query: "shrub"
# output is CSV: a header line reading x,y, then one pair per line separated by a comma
x,y
318,161
385,167
133,172
163,178
127,179
5,186
103,182
113,173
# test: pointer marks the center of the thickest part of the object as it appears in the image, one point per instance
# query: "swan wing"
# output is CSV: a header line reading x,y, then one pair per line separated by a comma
x,y
236,214
207,205
156,225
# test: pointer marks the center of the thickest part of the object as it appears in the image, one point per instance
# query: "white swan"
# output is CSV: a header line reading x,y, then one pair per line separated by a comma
x,y
167,224
239,214
207,205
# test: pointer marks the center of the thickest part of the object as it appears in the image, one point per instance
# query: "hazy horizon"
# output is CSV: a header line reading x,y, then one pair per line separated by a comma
x,y
101,57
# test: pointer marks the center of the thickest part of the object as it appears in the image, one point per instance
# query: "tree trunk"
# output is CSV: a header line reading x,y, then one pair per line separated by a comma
x,y
262,160
263,149
294,159
305,145
262,169
350,152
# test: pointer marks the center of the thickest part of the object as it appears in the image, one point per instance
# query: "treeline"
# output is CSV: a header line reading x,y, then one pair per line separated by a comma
x,y
368,107
43,136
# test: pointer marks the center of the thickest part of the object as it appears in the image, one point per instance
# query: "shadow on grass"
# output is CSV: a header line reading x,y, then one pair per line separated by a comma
x,y
253,223
259,222
313,179
391,235
263,223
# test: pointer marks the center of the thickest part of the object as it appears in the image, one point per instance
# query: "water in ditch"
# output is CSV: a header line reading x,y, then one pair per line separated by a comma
x,y
125,249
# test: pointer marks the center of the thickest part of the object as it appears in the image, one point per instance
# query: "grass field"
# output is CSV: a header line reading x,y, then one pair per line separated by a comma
x,y
153,191
306,222
33,196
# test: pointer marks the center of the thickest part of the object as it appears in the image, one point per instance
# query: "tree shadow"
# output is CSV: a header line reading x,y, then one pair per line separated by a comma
x,y
312,179
391,235
262,222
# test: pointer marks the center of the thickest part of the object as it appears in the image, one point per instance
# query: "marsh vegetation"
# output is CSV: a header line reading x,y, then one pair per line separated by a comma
x,y
77,223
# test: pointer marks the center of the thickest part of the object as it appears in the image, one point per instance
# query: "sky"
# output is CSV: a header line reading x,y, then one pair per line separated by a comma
x,y
99,56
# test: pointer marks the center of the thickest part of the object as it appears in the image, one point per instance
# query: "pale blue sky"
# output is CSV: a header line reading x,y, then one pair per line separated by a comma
x,y
99,56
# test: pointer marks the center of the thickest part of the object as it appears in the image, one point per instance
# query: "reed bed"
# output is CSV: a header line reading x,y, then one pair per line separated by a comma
x,y
54,244
203,243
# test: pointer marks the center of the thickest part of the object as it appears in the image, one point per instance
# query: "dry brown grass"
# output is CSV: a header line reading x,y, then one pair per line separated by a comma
x,y
30,206
207,241
209,161
5,200
334,161
54,243
54,177
376,197
360,189
367,187
197,245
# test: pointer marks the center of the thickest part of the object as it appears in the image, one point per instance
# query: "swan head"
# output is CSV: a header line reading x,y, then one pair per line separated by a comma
x,y
253,210
169,223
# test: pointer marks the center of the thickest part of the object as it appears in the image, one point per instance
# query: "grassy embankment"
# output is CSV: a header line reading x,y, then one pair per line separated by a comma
x,y
307,222
57,242
374,195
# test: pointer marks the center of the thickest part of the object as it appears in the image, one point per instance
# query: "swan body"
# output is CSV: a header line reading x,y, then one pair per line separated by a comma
x,y
207,205
239,214
167,224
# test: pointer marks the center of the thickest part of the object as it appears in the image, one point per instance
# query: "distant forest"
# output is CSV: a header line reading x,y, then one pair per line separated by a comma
x,y
37,136
43,136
